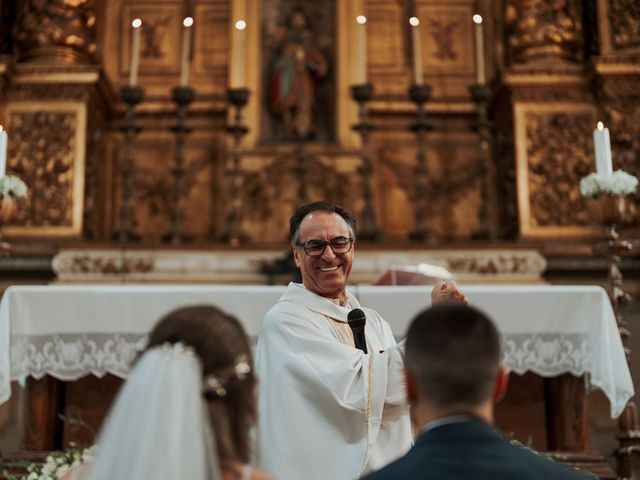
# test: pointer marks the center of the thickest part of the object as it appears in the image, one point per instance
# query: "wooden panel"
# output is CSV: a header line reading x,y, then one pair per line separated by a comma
x,y
47,150
521,415
161,37
386,34
87,402
553,153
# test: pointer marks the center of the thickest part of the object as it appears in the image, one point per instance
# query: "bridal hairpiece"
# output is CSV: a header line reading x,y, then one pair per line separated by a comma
x,y
214,383
217,383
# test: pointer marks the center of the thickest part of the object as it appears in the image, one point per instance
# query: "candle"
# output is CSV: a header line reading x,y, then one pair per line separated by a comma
x,y
186,51
362,50
4,140
417,51
135,52
602,147
237,80
480,77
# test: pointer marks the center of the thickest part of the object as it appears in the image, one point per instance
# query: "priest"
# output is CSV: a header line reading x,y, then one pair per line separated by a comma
x,y
328,410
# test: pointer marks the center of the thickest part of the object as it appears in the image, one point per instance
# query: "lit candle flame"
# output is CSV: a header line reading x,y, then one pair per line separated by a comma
x,y
241,25
187,22
361,19
137,23
477,19
414,21
600,126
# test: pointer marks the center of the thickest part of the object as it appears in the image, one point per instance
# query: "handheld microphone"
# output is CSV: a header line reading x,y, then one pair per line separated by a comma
x,y
357,321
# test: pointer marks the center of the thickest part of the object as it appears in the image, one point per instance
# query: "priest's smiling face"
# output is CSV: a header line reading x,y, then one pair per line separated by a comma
x,y
327,274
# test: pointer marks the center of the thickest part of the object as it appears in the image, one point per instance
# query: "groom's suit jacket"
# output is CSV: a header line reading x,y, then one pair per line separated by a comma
x,y
474,450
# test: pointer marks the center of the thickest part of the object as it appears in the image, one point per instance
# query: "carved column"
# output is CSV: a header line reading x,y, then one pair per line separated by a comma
x,y
544,111
543,31
58,106
56,32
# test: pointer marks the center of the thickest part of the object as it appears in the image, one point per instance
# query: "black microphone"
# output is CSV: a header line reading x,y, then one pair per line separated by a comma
x,y
357,321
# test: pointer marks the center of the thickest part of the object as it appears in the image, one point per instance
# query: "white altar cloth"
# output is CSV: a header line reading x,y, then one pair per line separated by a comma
x,y
69,331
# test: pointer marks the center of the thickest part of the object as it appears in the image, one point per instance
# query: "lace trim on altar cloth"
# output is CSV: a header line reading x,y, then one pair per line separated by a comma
x,y
547,354
72,356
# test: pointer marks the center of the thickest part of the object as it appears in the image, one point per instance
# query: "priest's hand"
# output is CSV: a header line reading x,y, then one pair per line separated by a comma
x,y
447,292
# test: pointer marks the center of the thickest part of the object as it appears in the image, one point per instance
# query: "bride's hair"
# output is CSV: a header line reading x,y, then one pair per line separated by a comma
x,y
229,382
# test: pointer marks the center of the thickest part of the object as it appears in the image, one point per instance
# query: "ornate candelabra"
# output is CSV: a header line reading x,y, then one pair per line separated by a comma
x,y
232,232
182,96
612,213
368,229
132,96
421,232
481,93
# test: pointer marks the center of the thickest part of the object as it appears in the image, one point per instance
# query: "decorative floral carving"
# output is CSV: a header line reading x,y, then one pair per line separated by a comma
x,y
624,17
60,29
558,155
543,30
42,154
443,32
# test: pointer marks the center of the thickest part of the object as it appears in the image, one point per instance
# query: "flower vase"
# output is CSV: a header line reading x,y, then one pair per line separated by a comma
x,y
610,209
8,210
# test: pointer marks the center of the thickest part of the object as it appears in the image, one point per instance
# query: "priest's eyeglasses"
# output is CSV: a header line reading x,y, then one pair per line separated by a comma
x,y
315,248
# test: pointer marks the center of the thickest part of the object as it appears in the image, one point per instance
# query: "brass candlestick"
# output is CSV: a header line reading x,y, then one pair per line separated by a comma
x,y
182,97
481,93
132,96
612,212
368,228
421,232
232,232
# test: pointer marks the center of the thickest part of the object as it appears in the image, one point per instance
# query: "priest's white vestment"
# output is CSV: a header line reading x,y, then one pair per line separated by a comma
x,y
326,409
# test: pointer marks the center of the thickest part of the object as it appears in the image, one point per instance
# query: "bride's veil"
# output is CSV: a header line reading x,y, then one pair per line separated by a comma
x,y
159,425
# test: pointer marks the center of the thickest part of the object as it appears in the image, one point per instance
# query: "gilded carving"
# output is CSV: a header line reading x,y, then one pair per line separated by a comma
x,y
47,150
558,157
542,30
153,32
624,18
443,31
64,30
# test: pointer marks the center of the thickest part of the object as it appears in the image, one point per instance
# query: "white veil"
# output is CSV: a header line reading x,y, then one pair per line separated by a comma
x,y
159,425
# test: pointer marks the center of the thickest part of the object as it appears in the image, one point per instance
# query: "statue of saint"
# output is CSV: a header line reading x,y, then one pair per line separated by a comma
x,y
297,69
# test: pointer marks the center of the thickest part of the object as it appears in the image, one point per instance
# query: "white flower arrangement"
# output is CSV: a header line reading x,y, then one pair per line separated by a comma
x,y
57,464
14,186
619,183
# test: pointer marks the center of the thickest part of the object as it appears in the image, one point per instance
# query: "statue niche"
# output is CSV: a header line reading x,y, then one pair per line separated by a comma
x,y
298,79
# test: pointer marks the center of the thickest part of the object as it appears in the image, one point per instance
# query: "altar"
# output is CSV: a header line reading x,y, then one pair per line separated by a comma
x,y
67,332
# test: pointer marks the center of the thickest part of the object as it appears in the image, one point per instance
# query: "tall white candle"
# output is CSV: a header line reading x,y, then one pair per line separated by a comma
x,y
417,51
238,80
602,147
480,75
186,51
4,140
135,52
362,50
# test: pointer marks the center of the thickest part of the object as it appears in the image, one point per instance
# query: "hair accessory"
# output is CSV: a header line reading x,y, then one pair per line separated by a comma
x,y
216,383
178,348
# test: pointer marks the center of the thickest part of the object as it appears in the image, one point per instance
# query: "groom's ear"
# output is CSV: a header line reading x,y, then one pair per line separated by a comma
x,y
502,382
411,387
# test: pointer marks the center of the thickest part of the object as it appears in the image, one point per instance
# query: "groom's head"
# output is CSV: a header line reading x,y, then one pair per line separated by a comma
x,y
453,360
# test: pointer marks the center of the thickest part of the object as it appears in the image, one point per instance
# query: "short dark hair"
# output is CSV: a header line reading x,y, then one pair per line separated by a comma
x,y
454,353
304,210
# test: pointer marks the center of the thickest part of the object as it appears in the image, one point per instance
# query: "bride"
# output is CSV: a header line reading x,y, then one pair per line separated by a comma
x,y
186,409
